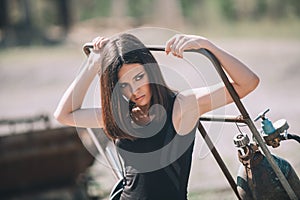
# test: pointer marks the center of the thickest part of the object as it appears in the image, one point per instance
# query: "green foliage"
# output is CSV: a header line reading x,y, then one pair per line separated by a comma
x,y
93,8
191,6
295,4
194,10
261,8
228,9
139,8
244,10
198,12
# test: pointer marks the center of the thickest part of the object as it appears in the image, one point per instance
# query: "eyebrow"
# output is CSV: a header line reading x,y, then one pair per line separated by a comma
x,y
139,73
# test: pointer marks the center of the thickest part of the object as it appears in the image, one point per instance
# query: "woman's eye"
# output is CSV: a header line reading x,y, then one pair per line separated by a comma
x,y
139,77
123,85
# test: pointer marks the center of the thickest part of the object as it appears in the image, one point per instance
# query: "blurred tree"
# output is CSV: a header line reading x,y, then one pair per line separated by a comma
x,y
26,22
260,9
18,27
47,21
89,9
228,10
168,13
119,9
245,10
277,9
3,14
64,13
241,10
3,20
194,11
140,10
295,7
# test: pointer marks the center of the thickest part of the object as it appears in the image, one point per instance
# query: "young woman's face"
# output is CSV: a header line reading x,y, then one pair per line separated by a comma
x,y
134,84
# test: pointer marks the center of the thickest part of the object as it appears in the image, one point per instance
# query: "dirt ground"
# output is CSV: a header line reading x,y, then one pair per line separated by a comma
x,y
32,80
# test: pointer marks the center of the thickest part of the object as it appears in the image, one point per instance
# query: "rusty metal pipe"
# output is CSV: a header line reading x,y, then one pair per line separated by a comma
x,y
218,158
223,118
249,122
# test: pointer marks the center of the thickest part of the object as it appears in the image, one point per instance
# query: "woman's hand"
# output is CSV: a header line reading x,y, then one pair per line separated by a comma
x,y
95,55
99,43
139,116
180,42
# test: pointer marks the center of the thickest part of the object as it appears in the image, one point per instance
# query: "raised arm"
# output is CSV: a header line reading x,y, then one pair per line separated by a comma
x,y
191,104
69,111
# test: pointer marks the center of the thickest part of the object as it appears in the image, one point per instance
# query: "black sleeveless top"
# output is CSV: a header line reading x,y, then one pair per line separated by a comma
x,y
157,165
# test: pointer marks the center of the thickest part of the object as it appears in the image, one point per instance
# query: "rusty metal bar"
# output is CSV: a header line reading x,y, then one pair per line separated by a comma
x,y
223,118
249,122
218,159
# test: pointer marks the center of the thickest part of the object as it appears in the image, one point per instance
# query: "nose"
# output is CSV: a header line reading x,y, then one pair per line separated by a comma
x,y
131,90
134,88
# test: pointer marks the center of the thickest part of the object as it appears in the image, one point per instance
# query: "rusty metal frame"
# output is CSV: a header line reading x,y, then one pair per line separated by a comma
x,y
244,118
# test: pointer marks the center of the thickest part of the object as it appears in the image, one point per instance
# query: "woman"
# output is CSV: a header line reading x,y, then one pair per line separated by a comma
x,y
152,126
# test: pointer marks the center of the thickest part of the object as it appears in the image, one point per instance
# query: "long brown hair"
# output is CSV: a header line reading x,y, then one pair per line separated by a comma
x,y
127,49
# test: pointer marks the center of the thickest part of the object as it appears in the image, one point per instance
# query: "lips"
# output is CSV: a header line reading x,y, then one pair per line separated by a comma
x,y
139,98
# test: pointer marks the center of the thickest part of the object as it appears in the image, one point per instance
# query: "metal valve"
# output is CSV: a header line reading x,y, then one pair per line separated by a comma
x,y
241,140
262,115
267,125
271,132
281,125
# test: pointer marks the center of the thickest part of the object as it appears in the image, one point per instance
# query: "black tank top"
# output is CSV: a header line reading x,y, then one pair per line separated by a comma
x,y
157,167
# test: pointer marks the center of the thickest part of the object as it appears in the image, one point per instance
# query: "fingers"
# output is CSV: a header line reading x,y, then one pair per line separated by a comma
x,y
99,43
139,116
180,42
179,47
176,45
137,112
169,44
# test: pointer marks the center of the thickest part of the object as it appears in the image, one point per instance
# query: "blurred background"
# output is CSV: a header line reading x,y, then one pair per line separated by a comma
x,y
41,53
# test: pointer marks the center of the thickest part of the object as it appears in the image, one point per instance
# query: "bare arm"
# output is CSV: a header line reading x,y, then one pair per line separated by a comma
x,y
69,111
195,102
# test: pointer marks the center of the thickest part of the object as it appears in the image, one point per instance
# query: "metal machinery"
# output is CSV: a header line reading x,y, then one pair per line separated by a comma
x,y
40,157
256,179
